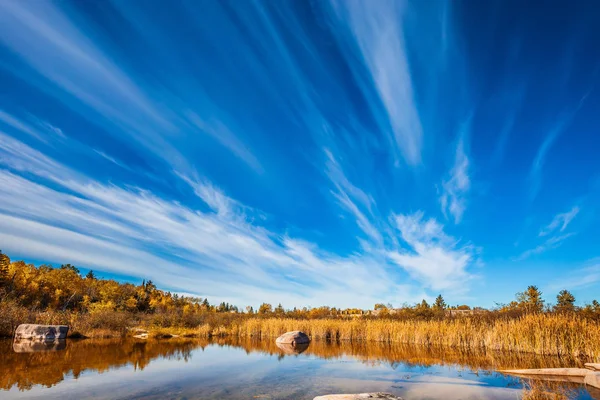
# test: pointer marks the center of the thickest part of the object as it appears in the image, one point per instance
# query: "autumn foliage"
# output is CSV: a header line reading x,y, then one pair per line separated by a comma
x,y
96,307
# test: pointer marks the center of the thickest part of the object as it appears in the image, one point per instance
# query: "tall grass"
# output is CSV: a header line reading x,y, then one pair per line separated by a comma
x,y
547,390
543,333
547,334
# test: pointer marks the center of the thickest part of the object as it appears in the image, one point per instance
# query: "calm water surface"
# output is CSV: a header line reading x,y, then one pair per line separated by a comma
x,y
232,369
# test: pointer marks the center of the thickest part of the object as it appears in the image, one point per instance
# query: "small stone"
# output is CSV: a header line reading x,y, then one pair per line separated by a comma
x,y
293,338
141,336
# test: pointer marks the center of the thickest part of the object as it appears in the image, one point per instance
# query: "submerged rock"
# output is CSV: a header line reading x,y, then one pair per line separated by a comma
x,y
293,338
41,332
589,375
141,336
291,349
549,371
361,396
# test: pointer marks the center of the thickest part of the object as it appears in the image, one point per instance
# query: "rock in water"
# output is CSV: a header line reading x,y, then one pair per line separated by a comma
x,y
592,366
361,396
592,380
293,338
41,332
548,371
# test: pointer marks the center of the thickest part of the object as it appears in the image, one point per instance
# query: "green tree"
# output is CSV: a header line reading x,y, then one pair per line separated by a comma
x,y
90,275
279,309
439,304
70,267
565,301
4,264
423,309
531,300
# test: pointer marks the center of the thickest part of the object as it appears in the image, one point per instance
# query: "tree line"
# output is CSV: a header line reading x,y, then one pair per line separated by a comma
x,y
65,289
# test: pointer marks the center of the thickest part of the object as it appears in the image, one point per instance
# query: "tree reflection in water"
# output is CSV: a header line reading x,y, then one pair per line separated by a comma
x,y
24,367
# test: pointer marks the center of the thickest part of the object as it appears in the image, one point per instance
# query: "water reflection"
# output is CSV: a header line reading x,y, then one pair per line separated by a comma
x,y
34,346
291,349
244,368
25,369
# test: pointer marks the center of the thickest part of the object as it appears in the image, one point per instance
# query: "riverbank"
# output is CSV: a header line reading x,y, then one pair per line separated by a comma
x,y
101,308
545,334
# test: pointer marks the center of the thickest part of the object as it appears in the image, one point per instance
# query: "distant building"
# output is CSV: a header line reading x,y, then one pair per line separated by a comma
x,y
455,313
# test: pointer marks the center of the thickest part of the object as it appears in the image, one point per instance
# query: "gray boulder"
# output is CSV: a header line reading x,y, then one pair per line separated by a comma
x,y
361,396
293,338
41,332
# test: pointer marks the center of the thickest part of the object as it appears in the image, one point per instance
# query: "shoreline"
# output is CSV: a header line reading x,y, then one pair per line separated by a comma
x,y
535,334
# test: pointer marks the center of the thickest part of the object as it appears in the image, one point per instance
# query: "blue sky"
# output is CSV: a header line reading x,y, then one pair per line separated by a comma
x,y
308,153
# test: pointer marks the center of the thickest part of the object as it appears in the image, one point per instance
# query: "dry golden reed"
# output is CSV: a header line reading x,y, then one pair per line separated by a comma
x,y
548,334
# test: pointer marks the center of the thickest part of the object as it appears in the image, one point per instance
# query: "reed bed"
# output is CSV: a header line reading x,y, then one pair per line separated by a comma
x,y
546,334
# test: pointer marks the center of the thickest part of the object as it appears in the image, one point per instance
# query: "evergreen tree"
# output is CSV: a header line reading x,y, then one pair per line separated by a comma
x,y
565,301
90,275
531,300
440,304
70,268
423,309
4,264
279,309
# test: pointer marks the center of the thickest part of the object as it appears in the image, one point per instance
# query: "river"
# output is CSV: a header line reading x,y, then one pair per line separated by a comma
x,y
226,369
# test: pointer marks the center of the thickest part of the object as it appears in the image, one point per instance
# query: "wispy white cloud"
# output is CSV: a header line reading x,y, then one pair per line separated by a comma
x,y
352,198
579,278
52,212
78,72
550,243
560,222
111,159
379,40
433,258
223,135
48,127
562,123
417,245
124,231
133,232
455,188
19,125
554,231
538,162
